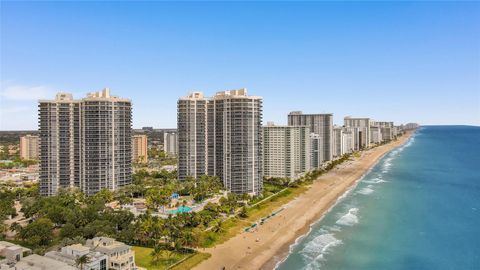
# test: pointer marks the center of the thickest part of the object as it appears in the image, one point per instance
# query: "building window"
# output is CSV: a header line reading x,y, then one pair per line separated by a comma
x,y
103,264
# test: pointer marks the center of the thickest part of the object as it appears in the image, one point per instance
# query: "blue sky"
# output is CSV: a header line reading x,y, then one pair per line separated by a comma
x,y
405,62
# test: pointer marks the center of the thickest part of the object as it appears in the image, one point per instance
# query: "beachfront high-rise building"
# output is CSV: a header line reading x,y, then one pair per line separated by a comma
x,y
396,130
29,147
286,151
338,142
387,133
235,140
170,143
140,148
85,143
386,129
375,134
192,135
410,126
362,131
321,124
348,140
315,151
222,136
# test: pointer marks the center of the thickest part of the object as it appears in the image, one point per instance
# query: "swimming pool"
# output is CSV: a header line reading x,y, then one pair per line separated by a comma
x,y
181,209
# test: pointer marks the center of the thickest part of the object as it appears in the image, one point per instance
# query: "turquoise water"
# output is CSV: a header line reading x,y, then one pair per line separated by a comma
x,y
418,208
181,209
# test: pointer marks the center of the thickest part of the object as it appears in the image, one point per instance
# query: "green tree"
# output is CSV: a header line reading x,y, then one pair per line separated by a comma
x,y
57,214
156,254
157,197
243,212
104,195
217,226
69,231
99,228
38,233
123,199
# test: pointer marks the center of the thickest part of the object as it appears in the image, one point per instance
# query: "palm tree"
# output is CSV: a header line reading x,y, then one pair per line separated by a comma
x,y
145,230
156,254
243,212
217,227
189,239
81,261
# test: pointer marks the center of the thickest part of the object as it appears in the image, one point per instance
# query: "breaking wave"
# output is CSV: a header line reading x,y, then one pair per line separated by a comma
x,y
314,252
350,218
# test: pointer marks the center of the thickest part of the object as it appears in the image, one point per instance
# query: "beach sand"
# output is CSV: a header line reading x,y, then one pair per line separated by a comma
x,y
269,243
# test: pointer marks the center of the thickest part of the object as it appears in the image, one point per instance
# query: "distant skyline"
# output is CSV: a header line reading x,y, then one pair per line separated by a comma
x,y
391,61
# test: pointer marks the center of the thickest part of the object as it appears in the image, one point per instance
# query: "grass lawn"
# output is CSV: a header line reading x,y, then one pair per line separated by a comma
x,y
144,259
192,261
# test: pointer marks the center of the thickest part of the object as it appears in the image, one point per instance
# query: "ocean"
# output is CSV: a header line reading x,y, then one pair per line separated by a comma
x,y
417,208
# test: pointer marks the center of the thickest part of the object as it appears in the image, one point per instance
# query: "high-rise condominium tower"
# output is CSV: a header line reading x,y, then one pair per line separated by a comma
x,y
192,135
139,148
361,131
222,136
29,147
60,149
348,140
237,140
375,134
321,124
315,151
85,143
338,142
386,129
170,143
286,151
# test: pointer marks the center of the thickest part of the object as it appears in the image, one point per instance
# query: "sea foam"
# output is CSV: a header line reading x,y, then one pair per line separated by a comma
x,y
377,180
350,218
366,190
318,247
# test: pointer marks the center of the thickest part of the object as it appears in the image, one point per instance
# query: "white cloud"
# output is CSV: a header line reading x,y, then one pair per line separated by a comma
x,y
13,110
22,92
18,117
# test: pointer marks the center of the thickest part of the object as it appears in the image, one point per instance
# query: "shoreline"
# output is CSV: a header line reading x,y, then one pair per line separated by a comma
x,y
271,243
287,248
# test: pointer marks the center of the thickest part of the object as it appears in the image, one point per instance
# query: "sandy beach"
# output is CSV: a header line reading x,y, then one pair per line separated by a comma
x,y
270,242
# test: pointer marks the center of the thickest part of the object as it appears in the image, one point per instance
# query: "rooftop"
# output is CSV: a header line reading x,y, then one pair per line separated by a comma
x,y
106,245
37,262
301,113
103,94
239,93
5,244
193,95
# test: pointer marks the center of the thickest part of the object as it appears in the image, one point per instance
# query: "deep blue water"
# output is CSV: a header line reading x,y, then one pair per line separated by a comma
x,y
418,208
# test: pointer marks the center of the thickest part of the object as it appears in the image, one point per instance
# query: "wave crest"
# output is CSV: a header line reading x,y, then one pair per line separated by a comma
x,y
350,218
314,252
